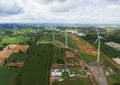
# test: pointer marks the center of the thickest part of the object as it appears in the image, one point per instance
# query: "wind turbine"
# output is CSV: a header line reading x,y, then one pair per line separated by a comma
x,y
94,29
66,44
38,26
16,29
54,33
98,40
86,30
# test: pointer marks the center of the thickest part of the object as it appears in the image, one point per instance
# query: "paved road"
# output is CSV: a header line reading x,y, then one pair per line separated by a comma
x,y
97,71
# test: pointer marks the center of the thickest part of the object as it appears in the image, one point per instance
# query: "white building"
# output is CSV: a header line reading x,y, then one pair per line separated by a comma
x,y
79,34
56,73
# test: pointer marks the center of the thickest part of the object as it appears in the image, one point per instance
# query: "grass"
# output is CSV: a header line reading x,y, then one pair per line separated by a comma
x,y
17,57
7,75
61,38
112,79
45,38
111,53
76,81
88,58
58,54
36,69
15,40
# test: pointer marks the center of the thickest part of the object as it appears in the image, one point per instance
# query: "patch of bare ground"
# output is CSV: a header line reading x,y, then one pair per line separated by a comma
x,y
16,64
84,46
8,50
69,54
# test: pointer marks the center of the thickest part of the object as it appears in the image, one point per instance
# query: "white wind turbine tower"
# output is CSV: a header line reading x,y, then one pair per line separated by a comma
x,y
54,33
66,43
16,29
86,29
38,26
94,29
98,40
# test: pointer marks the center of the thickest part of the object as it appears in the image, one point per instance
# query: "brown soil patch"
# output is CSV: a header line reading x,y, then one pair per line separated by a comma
x,y
84,46
8,50
55,66
23,48
18,64
2,60
69,54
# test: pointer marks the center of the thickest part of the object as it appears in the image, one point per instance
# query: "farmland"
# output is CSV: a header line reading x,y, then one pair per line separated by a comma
x,y
85,48
76,81
36,69
61,38
63,59
109,52
15,40
39,56
8,74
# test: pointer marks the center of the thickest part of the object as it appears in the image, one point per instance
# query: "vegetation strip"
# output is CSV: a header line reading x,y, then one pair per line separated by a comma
x,y
36,69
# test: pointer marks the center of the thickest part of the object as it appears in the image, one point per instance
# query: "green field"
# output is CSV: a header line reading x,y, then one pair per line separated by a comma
x,y
17,57
45,38
58,54
111,53
61,38
15,40
74,81
7,75
36,69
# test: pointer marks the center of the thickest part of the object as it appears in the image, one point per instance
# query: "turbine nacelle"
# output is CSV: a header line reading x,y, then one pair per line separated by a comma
x,y
101,37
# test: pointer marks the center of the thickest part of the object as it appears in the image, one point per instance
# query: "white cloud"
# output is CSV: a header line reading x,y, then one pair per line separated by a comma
x,y
10,7
68,11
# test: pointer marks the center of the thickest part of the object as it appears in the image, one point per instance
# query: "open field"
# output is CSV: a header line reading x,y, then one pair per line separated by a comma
x,y
9,70
24,61
107,53
61,62
7,75
36,69
45,38
61,38
69,54
75,81
113,45
8,50
15,40
72,63
85,48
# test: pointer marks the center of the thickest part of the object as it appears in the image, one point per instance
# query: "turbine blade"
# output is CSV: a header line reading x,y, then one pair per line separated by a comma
x,y
97,32
102,38
96,41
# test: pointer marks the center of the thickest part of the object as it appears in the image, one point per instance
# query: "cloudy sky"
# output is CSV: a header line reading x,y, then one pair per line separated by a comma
x,y
60,11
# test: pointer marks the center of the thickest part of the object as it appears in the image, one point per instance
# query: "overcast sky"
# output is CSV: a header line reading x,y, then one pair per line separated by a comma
x,y
60,11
